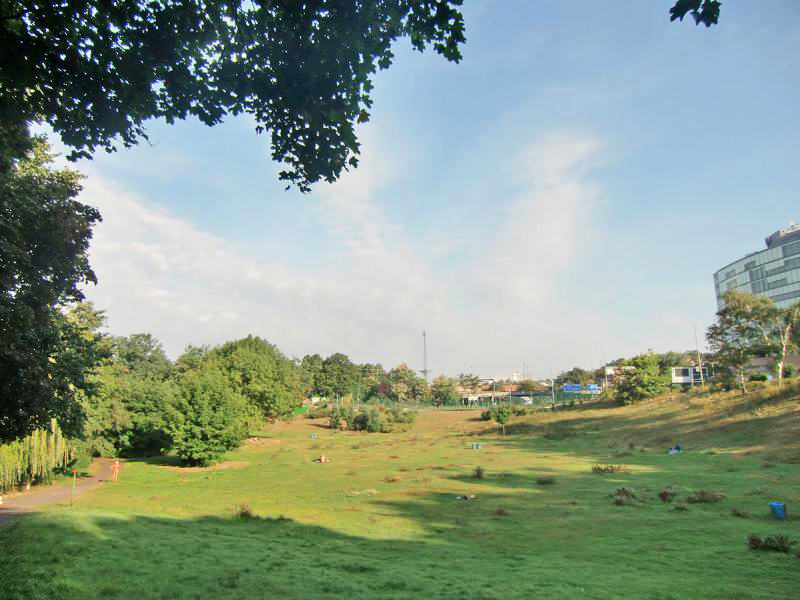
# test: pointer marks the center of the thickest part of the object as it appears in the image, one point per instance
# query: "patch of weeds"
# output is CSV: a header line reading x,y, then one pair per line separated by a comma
x,y
740,513
394,456
681,507
314,446
623,453
631,446
777,543
704,497
625,497
545,480
404,469
667,494
502,512
605,469
767,466
479,473
355,493
350,473
391,479
423,479
243,511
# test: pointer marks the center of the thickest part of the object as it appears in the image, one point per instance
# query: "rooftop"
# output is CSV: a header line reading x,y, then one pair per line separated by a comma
x,y
783,236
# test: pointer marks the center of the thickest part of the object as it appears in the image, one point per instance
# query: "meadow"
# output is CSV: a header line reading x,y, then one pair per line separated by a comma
x,y
383,518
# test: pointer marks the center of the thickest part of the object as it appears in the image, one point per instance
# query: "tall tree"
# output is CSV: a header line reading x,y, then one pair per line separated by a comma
x,y
337,377
643,382
96,71
143,355
44,238
738,333
444,391
259,372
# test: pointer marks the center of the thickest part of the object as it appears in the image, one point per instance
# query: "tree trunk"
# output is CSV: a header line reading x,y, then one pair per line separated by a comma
x,y
741,381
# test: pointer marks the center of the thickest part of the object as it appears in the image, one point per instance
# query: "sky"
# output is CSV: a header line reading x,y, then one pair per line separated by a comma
x,y
561,197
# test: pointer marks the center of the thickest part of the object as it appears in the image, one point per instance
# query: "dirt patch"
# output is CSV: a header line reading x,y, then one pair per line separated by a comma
x,y
228,464
257,441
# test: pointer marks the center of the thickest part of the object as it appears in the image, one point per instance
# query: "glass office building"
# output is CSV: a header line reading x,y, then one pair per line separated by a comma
x,y
774,272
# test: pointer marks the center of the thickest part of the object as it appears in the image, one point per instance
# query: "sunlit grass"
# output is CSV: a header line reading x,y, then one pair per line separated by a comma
x,y
382,519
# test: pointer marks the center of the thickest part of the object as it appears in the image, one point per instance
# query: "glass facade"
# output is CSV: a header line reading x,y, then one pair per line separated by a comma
x,y
774,272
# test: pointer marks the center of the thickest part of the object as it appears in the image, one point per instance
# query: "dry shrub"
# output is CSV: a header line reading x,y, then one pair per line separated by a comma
x,y
704,497
624,497
545,480
404,469
243,511
667,494
479,473
605,469
778,542
391,479
350,473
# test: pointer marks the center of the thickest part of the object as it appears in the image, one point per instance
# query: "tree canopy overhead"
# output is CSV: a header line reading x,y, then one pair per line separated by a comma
x,y
96,71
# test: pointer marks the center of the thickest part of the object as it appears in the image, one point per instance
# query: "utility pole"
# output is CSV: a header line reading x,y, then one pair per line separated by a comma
x,y
425,370
699,359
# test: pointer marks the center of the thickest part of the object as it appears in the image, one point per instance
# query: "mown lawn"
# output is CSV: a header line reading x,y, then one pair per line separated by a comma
x,y
382,519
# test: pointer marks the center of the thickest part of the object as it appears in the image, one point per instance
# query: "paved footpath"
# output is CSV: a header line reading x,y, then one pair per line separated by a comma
x,y
56,494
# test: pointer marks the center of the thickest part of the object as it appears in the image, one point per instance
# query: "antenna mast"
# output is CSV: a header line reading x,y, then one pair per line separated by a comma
x,y
425,370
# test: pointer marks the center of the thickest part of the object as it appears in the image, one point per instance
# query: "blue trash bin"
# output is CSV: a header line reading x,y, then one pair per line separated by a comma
x,y
778,510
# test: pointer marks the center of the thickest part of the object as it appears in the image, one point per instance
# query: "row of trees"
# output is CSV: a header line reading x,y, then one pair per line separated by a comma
x,y
336,377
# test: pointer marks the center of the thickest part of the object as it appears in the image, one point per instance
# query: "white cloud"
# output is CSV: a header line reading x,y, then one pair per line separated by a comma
x,y
373,291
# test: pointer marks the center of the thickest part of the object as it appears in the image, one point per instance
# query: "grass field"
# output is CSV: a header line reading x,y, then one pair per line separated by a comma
x,y
382,519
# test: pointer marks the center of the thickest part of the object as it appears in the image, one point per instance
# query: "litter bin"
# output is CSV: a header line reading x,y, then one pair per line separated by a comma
x,y
476,446
778,510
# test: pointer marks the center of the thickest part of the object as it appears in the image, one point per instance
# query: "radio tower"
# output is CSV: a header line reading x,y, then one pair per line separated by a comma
x,y
425,370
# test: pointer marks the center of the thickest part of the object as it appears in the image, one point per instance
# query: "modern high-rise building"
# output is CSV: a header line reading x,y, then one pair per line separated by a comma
x,y
774,272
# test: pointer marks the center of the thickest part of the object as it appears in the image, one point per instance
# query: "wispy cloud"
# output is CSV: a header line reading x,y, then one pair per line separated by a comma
x,y
373,291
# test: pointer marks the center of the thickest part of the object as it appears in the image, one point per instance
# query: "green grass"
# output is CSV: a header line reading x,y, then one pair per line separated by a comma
x,y
382,519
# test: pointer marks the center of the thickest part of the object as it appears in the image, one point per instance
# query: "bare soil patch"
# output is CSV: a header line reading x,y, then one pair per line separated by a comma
x,y
228,464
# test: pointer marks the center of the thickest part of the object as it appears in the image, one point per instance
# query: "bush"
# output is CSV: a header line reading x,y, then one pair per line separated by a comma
x,y
545,480
243,511
704,497
605,469
778,543
479,473
318,413
206,419
758,377
336,417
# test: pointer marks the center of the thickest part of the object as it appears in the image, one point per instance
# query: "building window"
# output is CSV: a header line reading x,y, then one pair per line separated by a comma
x,y
791,249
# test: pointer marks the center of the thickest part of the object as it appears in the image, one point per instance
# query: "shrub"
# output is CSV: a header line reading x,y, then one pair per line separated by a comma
x,y
545,480
479,473
318,413
206,419
758,377
624,497
778,543
604,469
667,494
704,497
336,417
243,511
502,512
739,513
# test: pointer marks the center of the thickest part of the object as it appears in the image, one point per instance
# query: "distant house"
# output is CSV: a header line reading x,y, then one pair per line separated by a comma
x,y
687,376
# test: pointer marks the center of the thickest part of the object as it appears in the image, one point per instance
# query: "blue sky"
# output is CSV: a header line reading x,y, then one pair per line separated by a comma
x,y
563,194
